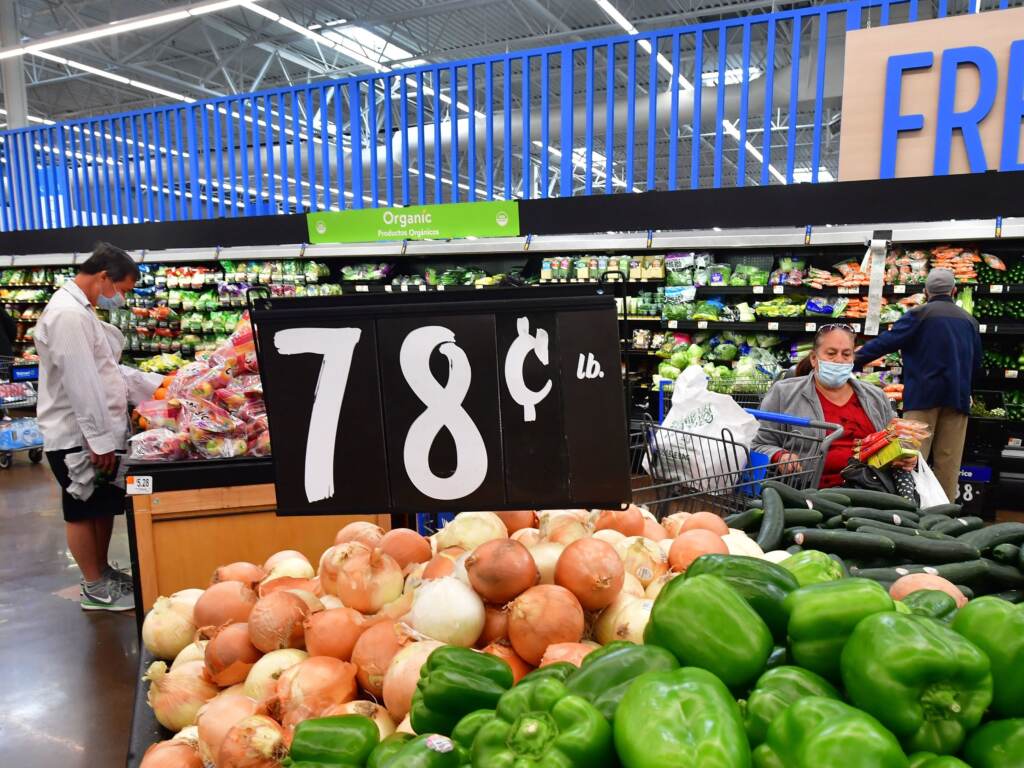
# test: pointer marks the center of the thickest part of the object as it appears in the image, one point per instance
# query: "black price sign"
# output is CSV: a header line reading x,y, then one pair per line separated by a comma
x,y
444,401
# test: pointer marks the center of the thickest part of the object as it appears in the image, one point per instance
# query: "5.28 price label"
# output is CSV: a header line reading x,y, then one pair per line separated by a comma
x,y
449,410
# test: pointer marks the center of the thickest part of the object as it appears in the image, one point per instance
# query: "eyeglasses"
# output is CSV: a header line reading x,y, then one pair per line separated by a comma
x,y
823,329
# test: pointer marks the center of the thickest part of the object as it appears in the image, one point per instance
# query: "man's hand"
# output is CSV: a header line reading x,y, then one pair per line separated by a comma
x,y
104,462
788,463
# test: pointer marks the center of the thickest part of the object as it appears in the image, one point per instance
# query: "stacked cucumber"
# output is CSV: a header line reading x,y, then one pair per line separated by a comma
x,y
883,537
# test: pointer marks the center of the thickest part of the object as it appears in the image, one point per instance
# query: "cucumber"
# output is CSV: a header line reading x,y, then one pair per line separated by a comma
x,y
967,591
770,535
836,496
745,520
994,535
958,573
881,515
924,550
790,495
805,517
878,500
836,521
949,510
1011,596
1006,553
959,525
1020,560
927,522
846,543
794,549
825,505
1007,576
856,523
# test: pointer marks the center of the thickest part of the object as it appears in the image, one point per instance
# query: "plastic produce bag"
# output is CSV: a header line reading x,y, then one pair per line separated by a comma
x,y
927,485
706,437
159,445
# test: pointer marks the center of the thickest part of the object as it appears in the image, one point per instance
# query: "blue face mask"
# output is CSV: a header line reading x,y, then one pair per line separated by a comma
x,y
110,302
834,375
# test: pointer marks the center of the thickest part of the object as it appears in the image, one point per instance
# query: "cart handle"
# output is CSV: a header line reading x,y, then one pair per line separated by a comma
x,y
785,418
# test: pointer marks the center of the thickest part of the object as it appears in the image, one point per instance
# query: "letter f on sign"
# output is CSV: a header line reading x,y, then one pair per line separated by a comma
x,y
893,123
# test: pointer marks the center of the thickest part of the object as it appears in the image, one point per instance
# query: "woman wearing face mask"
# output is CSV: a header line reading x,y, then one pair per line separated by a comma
x,y
824,389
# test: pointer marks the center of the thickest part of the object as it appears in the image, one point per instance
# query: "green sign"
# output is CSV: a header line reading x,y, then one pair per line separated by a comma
x,y
423,222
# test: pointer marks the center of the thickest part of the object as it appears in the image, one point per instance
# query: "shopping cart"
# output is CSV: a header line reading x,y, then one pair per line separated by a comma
x,y
746,392
17,434
677,471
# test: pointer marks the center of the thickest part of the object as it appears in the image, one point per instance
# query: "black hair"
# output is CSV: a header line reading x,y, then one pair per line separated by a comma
x,y
110,259
804,367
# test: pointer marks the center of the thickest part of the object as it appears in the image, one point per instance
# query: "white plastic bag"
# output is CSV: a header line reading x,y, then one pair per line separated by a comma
x,y
710,436
928,486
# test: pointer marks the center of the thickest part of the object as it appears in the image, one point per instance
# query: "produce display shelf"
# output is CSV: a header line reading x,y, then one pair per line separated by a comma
x,y
790,325
145,730
210,473
642,318
804,290
25,287
637,281
16,303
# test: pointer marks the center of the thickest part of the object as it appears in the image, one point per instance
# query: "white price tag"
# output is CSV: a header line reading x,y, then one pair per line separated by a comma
x,y
440,287
779,289
772,325
982,329
405,288
673,324
856,327
1011,374
812,327
478,287
362,289
423,289
995,289
389,289
139,485
758,289
702,324
899,289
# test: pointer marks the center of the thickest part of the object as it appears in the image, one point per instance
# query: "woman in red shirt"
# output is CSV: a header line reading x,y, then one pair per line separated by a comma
x,y
824,389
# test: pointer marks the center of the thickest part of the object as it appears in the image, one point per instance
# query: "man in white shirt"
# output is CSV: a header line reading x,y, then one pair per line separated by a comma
x,y
83,406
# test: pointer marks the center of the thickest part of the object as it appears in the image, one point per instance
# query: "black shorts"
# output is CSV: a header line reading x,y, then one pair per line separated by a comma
x,y
106,499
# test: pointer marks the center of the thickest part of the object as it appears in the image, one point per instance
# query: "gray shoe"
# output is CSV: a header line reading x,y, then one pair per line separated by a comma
x,y
109,595
124,577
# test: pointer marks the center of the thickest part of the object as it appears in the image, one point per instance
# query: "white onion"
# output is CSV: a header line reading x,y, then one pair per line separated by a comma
x,y
642,558
295,567
609,536
187,597
375,712
740,544
447,610
631,586
262,678
168,628
330,601
546,555
665,545
460,571
624,619
655,587
315,603
471,529
403,674
192,652
188,733
414,578
176,697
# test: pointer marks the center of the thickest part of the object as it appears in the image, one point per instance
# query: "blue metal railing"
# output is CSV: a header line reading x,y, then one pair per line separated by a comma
x,y
724,100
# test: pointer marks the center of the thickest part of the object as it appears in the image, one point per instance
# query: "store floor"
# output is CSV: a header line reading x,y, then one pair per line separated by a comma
x,y
68,675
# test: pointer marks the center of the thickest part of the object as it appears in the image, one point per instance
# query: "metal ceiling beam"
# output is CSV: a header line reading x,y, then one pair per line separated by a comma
x,y
429,9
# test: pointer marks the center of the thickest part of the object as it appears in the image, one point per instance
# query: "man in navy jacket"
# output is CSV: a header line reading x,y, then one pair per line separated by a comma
x,y
941,350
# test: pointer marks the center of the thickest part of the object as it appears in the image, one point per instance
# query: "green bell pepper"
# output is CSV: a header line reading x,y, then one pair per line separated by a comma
x,y
706,623
817,732
381,756
761,583
606,673
998,744
431,750
933,603
681,719
541,724
560,671
931,760
346,740
464,733
922,680
822,616
454,682
812,567
997,627
775,690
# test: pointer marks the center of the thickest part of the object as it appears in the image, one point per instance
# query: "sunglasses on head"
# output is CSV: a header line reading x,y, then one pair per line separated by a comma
x,y
823,329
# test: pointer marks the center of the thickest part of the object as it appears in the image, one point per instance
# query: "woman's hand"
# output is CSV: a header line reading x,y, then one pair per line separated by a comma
x,y
787,463
907,464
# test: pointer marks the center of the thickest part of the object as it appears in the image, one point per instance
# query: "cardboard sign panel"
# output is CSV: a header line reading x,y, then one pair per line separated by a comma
x,y
444,402
934,97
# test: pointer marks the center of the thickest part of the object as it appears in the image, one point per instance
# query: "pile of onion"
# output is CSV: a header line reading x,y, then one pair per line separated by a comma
x,y
175,753
367,579
403,674
592,571
501,569
518,520
406,547
255,742
625,619
691,544
503,650
362,531
223,603
541,616
176,697
218,716
249,574
628,522
287,563
375,712
372,654
168,628
334,632
546,555
262,679
230,655
528,537
312,687
642,558
192,652
573,653
276,622
495,626
448,610
469,530
672,523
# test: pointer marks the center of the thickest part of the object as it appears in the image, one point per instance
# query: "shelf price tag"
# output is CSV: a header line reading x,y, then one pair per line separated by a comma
x,y
362,289
811,327
673,324
139,485
982,328
856,327
702,324
487,406
1010,373
758,289
772,325
995,289
779,289
899,289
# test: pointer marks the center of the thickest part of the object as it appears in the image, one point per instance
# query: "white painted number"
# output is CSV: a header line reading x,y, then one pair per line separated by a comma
x,y
515,361
444,410
337,346
967,492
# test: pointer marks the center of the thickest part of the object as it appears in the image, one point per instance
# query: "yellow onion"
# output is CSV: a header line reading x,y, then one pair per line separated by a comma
x,y
367,579
176,697
218,716
471,529
375,712
168,628
403,674
261,681
255,742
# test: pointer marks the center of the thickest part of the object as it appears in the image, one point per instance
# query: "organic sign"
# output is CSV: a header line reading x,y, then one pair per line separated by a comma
x,y
444,402
424,222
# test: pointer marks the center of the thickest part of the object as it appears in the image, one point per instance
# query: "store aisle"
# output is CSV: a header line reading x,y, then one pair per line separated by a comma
x,y
68,675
